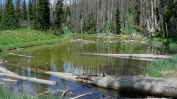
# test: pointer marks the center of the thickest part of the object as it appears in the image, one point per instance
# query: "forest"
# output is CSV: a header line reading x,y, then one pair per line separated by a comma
x,y
146,17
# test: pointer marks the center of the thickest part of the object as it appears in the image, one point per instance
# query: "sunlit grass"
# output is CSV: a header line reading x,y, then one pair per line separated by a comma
x,y
10,39
162,68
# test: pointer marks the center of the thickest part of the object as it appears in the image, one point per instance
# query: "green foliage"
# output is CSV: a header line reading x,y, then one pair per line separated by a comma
x,y
170,11
137,17
8,16
155,34
32,15
8,94
58,30
18,13
0,14
24,11
162,68
24,37
138,29
118,25
90,27
107,27
158,42
43,17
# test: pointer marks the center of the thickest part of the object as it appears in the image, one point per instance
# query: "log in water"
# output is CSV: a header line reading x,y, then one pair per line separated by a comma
x,y
150,85
147,56
41,81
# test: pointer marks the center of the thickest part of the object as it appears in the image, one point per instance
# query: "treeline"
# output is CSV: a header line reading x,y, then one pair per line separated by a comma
x,y
147,17
36,15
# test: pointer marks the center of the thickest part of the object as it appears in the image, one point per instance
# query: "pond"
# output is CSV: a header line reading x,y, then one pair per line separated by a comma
x,y
68,58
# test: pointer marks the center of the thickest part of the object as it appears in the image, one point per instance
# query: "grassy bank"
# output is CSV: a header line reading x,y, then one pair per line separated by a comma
x,y
11,39
5,93
162,68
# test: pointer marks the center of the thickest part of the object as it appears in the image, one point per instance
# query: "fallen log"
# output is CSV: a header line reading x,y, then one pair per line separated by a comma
x,y
7,80
81,95
150,85
136,56
3,70
36,70
41,81
21,55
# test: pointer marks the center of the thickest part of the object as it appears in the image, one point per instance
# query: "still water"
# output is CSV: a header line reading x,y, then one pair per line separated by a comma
x,y
67,57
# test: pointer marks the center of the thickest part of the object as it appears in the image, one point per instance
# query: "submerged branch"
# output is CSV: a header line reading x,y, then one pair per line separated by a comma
x,y
82,95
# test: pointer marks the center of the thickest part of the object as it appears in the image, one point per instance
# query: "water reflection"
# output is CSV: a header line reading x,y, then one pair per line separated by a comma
x,y
67,58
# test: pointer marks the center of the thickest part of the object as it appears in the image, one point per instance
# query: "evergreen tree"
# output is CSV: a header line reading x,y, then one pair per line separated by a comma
x,y
58,18
0,14
18,13
118,26
31,14
90,27
8,21
24,11
43,16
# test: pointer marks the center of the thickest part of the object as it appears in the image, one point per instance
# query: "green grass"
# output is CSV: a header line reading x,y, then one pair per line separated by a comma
x,y
162,68
10,39
5,93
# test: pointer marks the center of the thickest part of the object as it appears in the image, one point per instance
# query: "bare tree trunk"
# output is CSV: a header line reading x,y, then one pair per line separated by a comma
x,y
162,21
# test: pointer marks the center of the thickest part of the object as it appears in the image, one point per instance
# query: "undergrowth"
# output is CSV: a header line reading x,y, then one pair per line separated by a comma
x,y
162,68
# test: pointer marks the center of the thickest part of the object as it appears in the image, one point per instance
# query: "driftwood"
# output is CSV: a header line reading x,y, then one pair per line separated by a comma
x,y
41,81
64,93
2,83
149,85
7,80
37,70
21,55
136,56
82,95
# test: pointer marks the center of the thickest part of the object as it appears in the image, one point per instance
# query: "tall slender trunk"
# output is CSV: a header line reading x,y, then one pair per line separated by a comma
x,y
162,21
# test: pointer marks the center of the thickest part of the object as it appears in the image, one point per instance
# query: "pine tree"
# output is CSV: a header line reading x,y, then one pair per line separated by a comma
x,y
58,18
90,27
24,11
8,21
43,16
18,13
92,24
31,14
0,14
118,26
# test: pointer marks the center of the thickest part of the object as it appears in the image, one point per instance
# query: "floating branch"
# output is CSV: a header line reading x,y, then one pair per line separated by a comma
x,y
64,93
82,95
